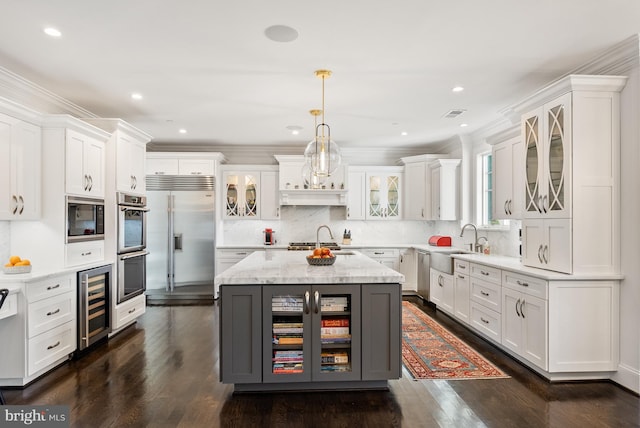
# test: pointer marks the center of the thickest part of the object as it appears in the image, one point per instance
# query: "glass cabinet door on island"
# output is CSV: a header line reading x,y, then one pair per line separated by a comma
x,y
311,333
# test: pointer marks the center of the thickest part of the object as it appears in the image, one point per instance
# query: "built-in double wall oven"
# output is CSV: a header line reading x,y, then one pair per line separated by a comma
x,y
132,246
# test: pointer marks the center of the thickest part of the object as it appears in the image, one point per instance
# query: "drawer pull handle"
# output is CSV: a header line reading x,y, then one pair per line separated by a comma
x,y
53,287
524,284
484,273
484,320
484,293
461,276
462,266
132,310
86,254
378,253
55,345
53,312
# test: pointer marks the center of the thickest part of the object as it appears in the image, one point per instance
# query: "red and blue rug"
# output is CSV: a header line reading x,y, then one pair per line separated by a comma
x,y
429,351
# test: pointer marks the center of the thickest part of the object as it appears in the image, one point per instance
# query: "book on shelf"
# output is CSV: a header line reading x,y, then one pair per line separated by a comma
x,y
335,300
287,368
346,338
279,340
330,331
335,322
294,330
336,368
334,358
287,324
334,308
288,299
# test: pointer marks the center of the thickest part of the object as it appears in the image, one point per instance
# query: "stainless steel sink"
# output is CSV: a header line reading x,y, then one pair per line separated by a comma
x,y
442,261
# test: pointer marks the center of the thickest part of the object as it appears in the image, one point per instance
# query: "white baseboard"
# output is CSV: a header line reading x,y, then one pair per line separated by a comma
x,y
628,377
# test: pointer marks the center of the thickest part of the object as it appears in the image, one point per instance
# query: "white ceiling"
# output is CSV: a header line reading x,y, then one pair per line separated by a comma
x,y
207,66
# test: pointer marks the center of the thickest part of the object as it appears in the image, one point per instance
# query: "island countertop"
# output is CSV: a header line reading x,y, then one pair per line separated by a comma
x,y
291,267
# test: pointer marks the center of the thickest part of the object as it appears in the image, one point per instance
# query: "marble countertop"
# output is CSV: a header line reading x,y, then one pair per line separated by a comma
x,y
514,264
38,273
291,267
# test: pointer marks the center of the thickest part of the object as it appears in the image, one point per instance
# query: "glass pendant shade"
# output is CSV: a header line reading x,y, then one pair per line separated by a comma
x,y
322,154
310,180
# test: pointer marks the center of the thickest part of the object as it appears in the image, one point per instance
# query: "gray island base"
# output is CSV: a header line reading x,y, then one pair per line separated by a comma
x,y
288,326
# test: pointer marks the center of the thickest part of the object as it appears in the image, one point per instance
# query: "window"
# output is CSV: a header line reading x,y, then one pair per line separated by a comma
x,y
485,183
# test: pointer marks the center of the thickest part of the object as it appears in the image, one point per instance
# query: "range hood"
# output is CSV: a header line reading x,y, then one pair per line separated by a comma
x,y
313,197
291,184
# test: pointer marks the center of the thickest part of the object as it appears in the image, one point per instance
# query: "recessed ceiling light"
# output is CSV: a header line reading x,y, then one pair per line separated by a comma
x,y
457,89
53,32
136,96
182,131
281,33
463,125
295,129
404,133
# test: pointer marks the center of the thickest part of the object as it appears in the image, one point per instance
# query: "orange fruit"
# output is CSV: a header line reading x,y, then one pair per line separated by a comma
x,y
26,262
8,265
14,259
22,263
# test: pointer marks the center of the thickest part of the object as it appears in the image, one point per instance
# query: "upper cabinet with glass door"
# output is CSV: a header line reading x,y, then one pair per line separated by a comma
x,y
241,195
383,190
547,138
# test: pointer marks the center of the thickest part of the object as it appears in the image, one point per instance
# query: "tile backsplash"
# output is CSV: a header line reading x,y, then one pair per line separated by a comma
x,y
299,223
5,240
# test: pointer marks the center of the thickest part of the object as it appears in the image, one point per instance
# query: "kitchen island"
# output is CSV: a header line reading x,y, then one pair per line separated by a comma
x,y
287,325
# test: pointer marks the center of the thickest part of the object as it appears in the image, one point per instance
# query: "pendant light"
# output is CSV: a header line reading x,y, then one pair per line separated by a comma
x,y
309,179
322,154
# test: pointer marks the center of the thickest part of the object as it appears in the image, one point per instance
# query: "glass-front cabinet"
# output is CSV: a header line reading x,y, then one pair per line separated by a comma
x,y
241,197
383,192
311,333
547,137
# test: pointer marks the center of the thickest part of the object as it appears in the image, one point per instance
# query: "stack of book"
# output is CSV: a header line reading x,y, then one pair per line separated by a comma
x,y
335,361
286,304
287,333
335,330
334,304
287,361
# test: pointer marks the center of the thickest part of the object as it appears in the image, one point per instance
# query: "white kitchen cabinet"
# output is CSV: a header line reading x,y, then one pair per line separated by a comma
x,y
298,187
485,300
508,184
269,200
417,186
571,136
383,193
389,257
462,291
241,195
408,266
183,163
442,292
43,333
525,317
546,244
20,169
444,189
356,196
128,311
126,156
85,165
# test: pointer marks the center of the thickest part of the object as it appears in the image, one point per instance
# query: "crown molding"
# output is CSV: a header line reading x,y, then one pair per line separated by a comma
x,y
30,95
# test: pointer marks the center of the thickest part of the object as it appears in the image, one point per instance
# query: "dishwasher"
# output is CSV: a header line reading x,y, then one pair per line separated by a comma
x,y
424,266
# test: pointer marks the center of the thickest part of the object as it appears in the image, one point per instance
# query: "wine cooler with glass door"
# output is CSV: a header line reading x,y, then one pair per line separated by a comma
x,y
94,287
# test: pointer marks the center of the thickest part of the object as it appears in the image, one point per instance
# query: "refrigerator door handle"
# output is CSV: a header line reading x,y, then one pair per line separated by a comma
x,y
177,241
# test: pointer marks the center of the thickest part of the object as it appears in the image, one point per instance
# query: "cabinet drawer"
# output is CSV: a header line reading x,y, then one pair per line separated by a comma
x,y
486,321
487,294
47,348
79,253
46,314
461,266
50,287
526,284
377,253
9,307
129,311
486,273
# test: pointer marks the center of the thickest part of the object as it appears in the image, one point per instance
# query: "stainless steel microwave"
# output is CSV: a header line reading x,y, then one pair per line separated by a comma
x,y
85,219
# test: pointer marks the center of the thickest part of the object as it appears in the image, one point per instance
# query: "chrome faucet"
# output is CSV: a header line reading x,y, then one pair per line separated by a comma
x,y
318,234
473,246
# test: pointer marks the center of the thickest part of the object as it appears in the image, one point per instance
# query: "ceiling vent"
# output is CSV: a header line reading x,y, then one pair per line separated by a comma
x,y
454,113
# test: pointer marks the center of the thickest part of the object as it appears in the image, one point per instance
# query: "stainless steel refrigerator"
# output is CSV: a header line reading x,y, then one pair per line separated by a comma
x,y
180,238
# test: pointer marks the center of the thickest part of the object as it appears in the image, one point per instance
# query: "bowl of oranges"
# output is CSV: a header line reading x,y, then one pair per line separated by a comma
x,y
17,265
321,257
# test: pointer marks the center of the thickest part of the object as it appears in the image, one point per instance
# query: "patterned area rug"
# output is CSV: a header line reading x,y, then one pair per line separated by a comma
x,y
429,351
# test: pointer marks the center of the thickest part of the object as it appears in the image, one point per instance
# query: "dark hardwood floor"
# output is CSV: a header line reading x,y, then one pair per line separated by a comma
x,y
163,372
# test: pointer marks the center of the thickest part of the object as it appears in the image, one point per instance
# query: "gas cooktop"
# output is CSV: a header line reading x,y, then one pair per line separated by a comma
x,y
311,245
